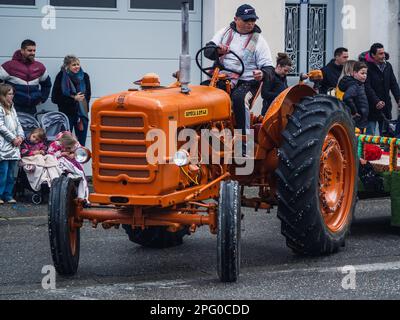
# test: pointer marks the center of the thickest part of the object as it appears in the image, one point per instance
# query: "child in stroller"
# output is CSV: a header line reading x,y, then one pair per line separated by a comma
x,y
49,122
40,169
64,149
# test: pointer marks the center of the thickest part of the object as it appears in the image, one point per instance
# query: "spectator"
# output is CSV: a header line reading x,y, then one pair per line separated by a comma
x,y
348,69
354,94
72,93
274,85
332,70
244,38
11,137
29,78
380,82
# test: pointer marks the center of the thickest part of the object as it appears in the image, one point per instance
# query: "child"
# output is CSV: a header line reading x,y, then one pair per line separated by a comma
x,y
11,137
355,96
34,144
64,150
39,167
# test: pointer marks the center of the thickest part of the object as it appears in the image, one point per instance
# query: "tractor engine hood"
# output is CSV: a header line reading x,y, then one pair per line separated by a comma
x,y
203,104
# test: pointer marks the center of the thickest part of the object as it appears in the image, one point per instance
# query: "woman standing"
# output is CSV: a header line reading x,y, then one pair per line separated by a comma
x,y
11,137
72,93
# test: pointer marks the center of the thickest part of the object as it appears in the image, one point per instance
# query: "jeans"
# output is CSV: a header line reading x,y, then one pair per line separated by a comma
x,y
7,179
371,128
73,124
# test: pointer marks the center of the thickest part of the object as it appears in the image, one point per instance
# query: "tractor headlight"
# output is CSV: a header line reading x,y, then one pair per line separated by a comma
x,y
181,158
82,155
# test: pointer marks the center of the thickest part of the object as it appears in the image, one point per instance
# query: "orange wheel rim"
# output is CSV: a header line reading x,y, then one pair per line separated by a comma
x,y
337,178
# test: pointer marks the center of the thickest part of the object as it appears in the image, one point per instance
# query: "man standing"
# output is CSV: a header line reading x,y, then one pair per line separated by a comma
x,y
380,82
29,78
243,37
333,70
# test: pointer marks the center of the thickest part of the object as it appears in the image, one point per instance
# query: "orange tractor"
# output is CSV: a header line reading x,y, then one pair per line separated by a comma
x,y
305,162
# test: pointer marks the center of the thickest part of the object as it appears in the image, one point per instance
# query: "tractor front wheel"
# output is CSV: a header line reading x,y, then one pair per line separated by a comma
x,y
64,232
228,235
317,176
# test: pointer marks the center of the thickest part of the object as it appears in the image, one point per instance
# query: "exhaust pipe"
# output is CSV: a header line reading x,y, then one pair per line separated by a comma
x,y
184,59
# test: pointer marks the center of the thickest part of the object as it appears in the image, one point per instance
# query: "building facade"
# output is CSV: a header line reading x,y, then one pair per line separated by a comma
x,y
120,40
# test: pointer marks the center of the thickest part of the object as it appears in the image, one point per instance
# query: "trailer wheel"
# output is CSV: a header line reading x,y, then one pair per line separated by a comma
x,y
317,176
155,237
63,233
36,198
228,236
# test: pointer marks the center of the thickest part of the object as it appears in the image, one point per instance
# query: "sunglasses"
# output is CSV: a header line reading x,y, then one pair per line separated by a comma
x,y
249,20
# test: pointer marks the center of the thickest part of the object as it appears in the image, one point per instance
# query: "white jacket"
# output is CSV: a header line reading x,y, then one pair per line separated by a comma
x,y
10,128
260,58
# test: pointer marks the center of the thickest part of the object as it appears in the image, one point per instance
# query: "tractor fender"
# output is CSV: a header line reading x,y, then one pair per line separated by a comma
x,y
276,119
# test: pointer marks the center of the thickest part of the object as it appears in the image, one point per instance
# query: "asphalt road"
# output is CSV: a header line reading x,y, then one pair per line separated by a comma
x,y
111,267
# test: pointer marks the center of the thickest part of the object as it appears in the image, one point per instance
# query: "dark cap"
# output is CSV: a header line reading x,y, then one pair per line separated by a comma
x,y
246,12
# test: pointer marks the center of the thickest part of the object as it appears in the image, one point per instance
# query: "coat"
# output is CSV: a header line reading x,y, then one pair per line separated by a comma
x,y
68,105
28,149
255,56
10,128
378,86
331,73
272,87
356,99
30,80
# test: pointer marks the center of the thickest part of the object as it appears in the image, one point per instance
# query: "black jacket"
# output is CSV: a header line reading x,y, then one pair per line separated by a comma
x,y
331,74
66,104
378,87
356,99
272,87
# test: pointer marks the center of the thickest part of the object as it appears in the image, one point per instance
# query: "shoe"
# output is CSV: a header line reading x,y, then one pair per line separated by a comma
x,y
1,201
11,201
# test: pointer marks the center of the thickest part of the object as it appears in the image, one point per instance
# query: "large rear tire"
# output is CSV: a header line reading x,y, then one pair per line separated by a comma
x,y
155,237
228,236
317,176
63,234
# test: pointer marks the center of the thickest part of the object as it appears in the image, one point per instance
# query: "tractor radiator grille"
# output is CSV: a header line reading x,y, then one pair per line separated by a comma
x,y
122,147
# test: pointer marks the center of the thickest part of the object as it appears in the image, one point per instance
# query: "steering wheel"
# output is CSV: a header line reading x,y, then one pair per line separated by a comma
x,y
218,63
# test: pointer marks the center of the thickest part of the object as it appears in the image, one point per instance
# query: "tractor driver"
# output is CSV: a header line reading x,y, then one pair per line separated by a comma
x,y
243,37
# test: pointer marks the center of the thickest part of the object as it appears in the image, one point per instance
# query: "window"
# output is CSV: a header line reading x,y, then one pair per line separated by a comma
x,y
306,35
316,48
292,39
159,4
84,3
18,2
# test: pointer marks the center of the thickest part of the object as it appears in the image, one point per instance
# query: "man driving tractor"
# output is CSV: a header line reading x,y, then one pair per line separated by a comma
x,y
244,38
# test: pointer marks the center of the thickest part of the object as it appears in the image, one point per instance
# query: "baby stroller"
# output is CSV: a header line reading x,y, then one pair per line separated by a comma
x,y
52,123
